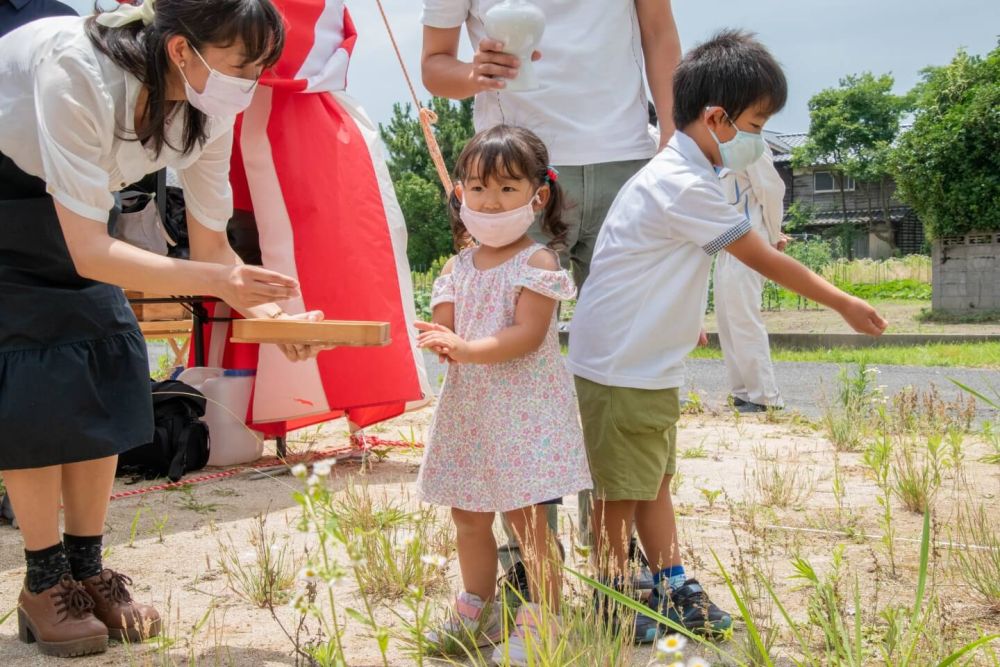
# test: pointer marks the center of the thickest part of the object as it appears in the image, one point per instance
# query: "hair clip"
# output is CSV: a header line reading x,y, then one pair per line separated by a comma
x,y
551,174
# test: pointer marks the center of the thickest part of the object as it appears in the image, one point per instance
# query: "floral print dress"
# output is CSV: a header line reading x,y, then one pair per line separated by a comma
x,y
504,435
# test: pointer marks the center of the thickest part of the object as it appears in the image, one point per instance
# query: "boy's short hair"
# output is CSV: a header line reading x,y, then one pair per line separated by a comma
x,y
733,71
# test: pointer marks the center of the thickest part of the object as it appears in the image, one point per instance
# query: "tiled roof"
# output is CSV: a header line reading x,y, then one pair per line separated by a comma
x,y
797,139
787,142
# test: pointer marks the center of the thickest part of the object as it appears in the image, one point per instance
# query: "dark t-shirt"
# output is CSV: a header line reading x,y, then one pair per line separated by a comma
x,y
15,13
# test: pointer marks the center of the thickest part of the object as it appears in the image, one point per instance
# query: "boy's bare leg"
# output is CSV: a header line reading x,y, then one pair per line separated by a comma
x,y
657,526
612,523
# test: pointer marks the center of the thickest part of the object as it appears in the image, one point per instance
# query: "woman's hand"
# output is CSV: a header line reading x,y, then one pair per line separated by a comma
x,y
303,352
491,67
443,341
247,286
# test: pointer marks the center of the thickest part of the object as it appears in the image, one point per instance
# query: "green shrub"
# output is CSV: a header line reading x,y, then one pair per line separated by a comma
x,y
947,165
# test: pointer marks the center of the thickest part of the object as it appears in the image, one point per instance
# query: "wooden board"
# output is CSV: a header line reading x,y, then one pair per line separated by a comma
x,y
301,332
156,312
176,328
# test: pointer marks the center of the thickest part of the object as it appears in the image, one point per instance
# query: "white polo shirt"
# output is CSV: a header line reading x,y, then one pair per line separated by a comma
x,y
640,312
592,104
66,111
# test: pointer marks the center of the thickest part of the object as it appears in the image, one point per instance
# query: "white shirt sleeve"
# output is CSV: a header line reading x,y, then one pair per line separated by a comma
x,y
701,215
445,13
76,127
208,197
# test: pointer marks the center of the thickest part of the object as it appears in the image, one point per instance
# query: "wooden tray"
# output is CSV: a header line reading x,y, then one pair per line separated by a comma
x,y
301,332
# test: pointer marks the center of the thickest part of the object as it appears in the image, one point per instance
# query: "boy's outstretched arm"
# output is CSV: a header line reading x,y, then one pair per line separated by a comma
x,y
753,251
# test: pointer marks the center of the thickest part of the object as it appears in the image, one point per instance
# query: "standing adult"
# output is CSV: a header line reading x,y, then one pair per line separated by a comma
x,y
757,192
88,106
591,111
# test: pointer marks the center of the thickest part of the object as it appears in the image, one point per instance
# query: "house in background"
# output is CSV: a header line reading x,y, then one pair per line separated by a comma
x,y
858,216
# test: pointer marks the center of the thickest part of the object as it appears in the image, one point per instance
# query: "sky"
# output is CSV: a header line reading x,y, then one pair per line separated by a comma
x,y
817,41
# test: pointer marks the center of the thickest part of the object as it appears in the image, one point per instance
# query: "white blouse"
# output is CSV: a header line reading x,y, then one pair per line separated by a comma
x,y
67,111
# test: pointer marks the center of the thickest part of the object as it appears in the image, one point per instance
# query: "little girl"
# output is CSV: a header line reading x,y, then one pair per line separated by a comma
x,y
506,435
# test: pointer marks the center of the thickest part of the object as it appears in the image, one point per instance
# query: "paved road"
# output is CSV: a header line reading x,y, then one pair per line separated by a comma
x,y
803,384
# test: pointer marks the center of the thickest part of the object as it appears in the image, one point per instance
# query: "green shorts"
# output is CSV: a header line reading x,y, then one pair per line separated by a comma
x,y
631,438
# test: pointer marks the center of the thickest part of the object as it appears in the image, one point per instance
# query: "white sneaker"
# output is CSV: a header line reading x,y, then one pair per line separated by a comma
x,y
514,651
473,622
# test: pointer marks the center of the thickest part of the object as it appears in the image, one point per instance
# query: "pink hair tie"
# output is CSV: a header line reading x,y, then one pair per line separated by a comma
x,y
551,175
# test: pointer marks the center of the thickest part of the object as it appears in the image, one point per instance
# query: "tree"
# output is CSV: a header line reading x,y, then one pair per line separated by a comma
x,y
948,164
852,129
420,193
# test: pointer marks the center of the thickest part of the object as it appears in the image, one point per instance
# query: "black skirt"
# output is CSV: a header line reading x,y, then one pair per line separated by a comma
x,y
74,378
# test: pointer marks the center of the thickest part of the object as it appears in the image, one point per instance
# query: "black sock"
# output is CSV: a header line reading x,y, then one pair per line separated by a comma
x,y
45,567
84,555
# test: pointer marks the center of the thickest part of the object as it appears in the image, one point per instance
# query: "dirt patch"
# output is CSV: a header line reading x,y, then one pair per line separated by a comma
x,y
173,553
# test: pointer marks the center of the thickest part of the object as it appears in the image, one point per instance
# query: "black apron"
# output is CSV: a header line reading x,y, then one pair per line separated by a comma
x,y
74,377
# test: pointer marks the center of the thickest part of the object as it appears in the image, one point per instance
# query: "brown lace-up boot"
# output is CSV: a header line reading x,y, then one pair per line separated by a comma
x,y
113,605
61,620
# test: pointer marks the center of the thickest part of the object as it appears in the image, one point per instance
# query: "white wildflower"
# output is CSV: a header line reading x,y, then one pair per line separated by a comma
x,y
323,468
673,643
434,560
697,662
312,481
300,471
307,575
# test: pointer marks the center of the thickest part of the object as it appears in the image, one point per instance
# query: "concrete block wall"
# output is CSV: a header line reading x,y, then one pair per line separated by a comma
x,y
966,273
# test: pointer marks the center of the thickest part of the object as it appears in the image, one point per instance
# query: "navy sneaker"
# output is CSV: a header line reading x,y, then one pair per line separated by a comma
x,y
690,607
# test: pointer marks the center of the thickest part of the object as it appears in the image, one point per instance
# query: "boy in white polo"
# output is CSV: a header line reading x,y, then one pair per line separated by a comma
x,y
640,312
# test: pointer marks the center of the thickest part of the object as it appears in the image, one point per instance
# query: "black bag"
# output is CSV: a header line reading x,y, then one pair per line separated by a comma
x,y
180,439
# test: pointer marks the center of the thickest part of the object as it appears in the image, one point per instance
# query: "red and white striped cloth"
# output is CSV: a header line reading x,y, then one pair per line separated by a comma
x,y
307,162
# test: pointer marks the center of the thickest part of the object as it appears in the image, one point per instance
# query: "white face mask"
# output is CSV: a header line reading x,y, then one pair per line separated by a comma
x,y
742,150
498,229
224,95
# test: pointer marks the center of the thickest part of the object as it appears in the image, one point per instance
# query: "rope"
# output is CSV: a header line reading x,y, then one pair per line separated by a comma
x,y
358,441
426,116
